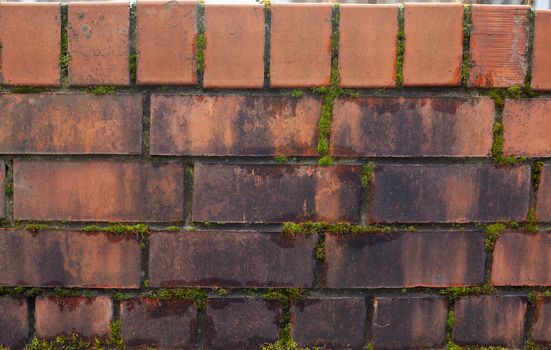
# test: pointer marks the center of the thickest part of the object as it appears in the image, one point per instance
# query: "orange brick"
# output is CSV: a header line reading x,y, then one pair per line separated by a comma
x,y
2,189
30,37
433,54
367,51
234,54
541,67
300,49
526,127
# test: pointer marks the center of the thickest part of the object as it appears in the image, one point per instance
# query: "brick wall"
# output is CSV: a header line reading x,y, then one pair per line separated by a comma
x,y
176,175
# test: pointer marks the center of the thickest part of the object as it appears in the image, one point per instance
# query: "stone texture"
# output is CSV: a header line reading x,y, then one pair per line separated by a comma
x,y
543,208
541,61
526,127
541,327
14,322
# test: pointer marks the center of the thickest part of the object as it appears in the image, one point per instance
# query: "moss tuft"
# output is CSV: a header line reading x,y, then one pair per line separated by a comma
x,y
531,222
286,344
37,227
132,64
367,174
140,230
292,229
20,291
197,295
454,293
200,45
281,159
9,186
101,90
491,235
296,93
320,250
497,147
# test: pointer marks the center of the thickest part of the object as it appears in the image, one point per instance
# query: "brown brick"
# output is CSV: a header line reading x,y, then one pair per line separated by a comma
x,y
404,259
61,316
98,43
367,45
234,125
541,64
522,259
412,322
300,49
418,127
332,323
432,56
2,189
237,323
68,259
58,124
498,45
541,327
543,209
449,193
234,53
231,259
526,127
98,190
490,320
30,37
165,42
159,324
276,193
14,322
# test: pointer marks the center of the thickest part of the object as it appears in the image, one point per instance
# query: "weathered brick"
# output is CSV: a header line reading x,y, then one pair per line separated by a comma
x,y
412,322
231,259
30,37
543,208
98,190
2,189
367,45
234,53
98,43
275,193
159,324
61,316
58,124
237,323
498,45
234,125
332,323
300,48
14,322
432,56
418,127
541,64
526,127
404,259
449,193
165,42
541,327
68,259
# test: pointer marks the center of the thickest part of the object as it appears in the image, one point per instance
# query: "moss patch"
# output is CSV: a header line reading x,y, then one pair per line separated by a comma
x,y
132,65
101,90
281,158
292,229
491,235
454,293
200,45
197,295
497,147
140,230
20,291
37,227
400,48
367,174
466,63
297,93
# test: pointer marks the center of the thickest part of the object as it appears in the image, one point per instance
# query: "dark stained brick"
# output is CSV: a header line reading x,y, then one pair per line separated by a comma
x,y
2,189
404,259
14,322
543,209
541,327
231,259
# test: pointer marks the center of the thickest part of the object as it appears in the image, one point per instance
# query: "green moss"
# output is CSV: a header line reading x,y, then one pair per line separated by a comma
x,y
132,64
221,292
9,186
27,90
297,93
36,227
466,63
173,228
411,228
101,90
542,292
497,147
197,295
454,293
320,250
140,230
120,296
367,174
200,45
146,283
515,92
530,345
491,235
400,48
286,344
20,291
531,222
326,161
64,292
281,158
64,57
292,229
370,346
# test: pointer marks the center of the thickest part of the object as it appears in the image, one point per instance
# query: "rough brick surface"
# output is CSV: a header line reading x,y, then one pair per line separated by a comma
x,y
526,127
14,322
57,124
165,42
541,327
432,56
30,37
159,324
234,125
449,193
275,193
541,71
404,259
2,189
543,210
231,259
98,191
419,127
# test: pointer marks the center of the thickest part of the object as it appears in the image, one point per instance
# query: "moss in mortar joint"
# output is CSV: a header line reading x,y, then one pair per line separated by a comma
x,y
37,227
195,294
539,292
28,90
454,293
497,148
491,235
466,63
400,47
297,93
292,229
367,174
140,230
20,291
132,65
101,90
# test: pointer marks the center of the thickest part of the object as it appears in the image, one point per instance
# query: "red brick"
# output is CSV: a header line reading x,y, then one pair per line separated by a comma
x,y
541,327
417,127
159,324
234,125
165,42
14,322
543,208
231,259
496,320
98,43
2,189
541,61
332,323
522,259
449,193
404,259
526,127
432,56
276,193
300,49
498,45
61,316
234,53
58,124
367,45
68,259
98,190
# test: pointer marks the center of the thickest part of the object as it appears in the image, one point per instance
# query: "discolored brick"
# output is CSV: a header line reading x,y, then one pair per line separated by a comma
x,y
541,327
449,193
30,37
432,56
159,324
14,322
543,208
526,127
404,259
165,42
417,127
541,60
68,259
98,190
2,189
276,193
61,316
234,125
58,124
